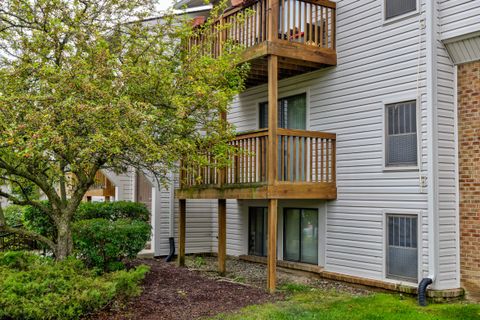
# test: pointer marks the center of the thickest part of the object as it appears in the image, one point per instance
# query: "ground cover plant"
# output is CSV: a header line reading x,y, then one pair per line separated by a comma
x,y
34,287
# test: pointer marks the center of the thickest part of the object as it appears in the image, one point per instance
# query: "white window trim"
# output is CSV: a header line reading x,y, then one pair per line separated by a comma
x,y
407,15
283,95
400,99
419,216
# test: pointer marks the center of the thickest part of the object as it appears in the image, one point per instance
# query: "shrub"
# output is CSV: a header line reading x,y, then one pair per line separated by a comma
x,y
113,211
35,287
36,220
104,244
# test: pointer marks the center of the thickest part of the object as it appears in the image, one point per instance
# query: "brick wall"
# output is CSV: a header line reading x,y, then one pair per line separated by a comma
x,y
469,171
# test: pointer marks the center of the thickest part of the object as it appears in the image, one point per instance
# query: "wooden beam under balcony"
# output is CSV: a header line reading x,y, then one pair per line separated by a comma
x,y
283,190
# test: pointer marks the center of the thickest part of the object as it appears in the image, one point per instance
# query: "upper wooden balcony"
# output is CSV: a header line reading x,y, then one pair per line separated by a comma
x,y
101,188
301,33
305,169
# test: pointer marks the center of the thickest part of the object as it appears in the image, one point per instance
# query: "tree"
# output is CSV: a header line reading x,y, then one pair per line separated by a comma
x,y
88,85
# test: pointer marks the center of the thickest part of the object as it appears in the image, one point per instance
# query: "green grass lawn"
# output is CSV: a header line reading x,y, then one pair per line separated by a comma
x,y
309,303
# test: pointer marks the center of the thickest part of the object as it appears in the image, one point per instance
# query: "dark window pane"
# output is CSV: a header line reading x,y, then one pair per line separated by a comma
x,y
402,255
292,235
401,140
309,250
292,113
263,116
257,239
395,8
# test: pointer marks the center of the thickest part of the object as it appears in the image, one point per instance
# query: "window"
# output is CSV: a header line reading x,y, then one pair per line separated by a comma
x,y
395,8
300,235
401,137
292,113
257,231
402,247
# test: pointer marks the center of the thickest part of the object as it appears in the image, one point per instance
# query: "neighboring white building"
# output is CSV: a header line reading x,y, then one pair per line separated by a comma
x,y
391,101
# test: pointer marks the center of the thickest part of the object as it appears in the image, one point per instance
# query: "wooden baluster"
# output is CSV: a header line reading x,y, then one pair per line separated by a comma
x,y
305,23
310,34
294,17
327,35
301,157
334,160
334,29
321,27
327,160
316,26
282,157
305,162
287,17
299,20
294,164
288,158
250,160
322,159
310,140
237,163
317,164
265,158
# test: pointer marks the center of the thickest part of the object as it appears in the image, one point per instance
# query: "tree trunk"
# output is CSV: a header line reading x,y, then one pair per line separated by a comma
x,y
64,246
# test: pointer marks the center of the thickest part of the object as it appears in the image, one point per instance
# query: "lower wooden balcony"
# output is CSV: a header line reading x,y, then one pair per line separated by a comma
x,y
305,169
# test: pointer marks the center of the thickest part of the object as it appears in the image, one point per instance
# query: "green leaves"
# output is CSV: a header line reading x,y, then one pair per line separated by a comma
x,y
103,244
86,85
35,287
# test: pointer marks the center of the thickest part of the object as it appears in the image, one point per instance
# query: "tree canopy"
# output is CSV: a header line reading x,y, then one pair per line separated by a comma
x,y
91,84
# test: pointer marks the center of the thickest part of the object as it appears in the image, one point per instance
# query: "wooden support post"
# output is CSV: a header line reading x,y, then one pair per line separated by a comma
x,y
272,245
272,119
181,232
222,236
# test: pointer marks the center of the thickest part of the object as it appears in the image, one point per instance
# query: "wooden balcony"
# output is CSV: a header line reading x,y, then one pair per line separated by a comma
x,y
301,33
305,169
101,188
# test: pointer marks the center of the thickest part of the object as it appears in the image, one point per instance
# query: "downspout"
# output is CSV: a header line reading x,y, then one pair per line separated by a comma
x,y
431,82
171,213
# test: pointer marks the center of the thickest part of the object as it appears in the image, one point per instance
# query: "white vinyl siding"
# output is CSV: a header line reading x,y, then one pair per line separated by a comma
x,y
375,63
459,17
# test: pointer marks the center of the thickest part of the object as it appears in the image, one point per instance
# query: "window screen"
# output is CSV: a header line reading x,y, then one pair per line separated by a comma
x,y
401,140
402,256
395,8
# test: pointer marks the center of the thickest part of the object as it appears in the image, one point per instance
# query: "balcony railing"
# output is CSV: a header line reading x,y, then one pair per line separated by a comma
x,y
307,22
303,157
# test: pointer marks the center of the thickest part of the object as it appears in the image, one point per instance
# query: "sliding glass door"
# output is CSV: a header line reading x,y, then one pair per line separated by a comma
x,y
257,231
300,235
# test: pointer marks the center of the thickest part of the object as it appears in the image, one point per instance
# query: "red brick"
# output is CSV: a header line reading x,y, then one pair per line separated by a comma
x,y
469,175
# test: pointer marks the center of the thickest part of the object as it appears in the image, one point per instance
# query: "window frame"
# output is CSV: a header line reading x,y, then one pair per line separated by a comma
x,y
394,100
409,213
264,241
286,95
284,240
387,21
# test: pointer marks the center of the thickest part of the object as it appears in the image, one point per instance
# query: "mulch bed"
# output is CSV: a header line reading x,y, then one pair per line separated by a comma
x,y
170,292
